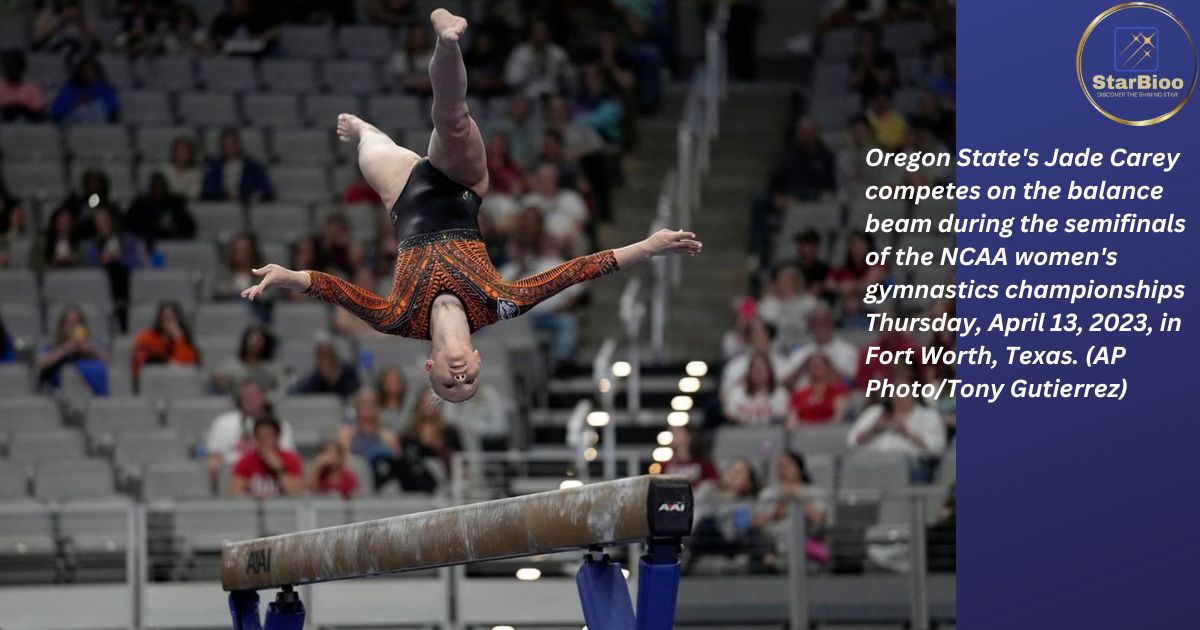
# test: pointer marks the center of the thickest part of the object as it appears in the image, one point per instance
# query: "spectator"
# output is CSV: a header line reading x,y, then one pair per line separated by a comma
x,y
410,66
482,419
902,425
185,36
762,341
336,251
331,375
20,100
855,275
142,25
118,253
686,459
736,340
244,255
808,261
600,107
329,474
65,26
393,13
853,173
485,65
555,317
822,398
160,214
391,389
62,240
182,175
576,137
234,176
552,151
505,176
429,437
87,98
872,368
787,307
168,341
231,434
872,69
758,399
255,360
793,484
523,127
359,191
538,66
563,209
245,27
805,172
841,354
269,470
889,126
93,193
723,513
367,437
73,346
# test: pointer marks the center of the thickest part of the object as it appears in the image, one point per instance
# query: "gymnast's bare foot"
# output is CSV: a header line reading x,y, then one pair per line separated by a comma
x,y
349,127
448,26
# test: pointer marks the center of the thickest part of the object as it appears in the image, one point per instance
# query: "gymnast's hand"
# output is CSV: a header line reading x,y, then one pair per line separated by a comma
x,y
665,242
277,276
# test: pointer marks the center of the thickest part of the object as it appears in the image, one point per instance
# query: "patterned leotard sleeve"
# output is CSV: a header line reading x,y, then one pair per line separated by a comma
x,y
528,292
376,310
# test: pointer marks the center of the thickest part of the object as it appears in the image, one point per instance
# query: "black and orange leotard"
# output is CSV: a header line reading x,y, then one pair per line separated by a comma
x,y
441,251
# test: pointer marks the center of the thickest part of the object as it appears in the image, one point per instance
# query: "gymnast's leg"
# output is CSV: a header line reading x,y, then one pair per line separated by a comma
x,y
456,146
384,164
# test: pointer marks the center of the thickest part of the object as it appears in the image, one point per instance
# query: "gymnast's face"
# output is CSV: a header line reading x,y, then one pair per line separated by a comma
x,y
454,372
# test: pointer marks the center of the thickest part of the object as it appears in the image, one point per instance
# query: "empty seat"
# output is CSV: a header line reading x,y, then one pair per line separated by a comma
x,y
396,112
107,417
169,382
191,417
18,283
76,285
323,109
146,107
289,76
835,111
272,110
303,147
35,181
46,445
217,220
175,480
153,144
209,109
135,449
299,320
28,548
171,72
28,413
283,221
98,142
839,44
208,526
308,42
312,418
905,38
65,480
228,74
755,443
195,257
216,349
831,79
95,537
874,471
366,41
13,34
24,323
14,481
47,69
118,69
151,286
221,318
911,70
301,184
350,76
860,208
121,184
824,439
30,143
15,380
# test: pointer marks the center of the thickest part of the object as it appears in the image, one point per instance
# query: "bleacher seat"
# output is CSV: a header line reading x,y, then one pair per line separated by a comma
x,y
193,256
823,470
907,100
95,538
272,110
34,447
301,184
121,184
146,108
48,69
170,382
365,41
28,413
834,111
153,144
66,480
107,417
221,318
303,147
390,113
350,76
208,109
323,109
30,143
182,479
831,79
191,417
94,143
15,380
14,481
856,213
283,221
13,34
34,180
281,516
947,472
206,527
134,450
313,418
307,42
759,444
873,471
906,38
18,283
820,439
118,69
217,220
839,44
28,546
911,70
151,286
405,353
289,76
76,285
254,141
215,349
20,249
227,74
171,72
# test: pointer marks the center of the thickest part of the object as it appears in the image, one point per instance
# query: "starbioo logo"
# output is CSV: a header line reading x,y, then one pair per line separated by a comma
x,y
1136,64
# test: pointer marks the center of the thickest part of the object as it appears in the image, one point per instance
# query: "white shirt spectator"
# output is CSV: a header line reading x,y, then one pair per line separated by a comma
x,y
735,369
921,421
789,316
564,213
232,435
536,71
761,408
841,353
184,182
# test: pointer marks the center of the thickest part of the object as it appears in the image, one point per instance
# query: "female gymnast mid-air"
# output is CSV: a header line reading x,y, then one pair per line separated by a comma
x,y
445,285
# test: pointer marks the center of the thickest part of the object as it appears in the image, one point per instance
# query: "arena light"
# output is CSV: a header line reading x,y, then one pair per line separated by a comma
x,y
624,572
689,384
654,468
621,369
593,437
696,368
93,200
604,385
663,454
591,454
681,403
528,574
569,483
665,438
597,418
678,418
503,628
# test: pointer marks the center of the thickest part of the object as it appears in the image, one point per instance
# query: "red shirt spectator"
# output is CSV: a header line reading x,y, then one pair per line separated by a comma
x,y
697,469
329,472
816,404
267,471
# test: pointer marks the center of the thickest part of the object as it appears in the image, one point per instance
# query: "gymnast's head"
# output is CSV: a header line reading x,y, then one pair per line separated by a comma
x,y
454,371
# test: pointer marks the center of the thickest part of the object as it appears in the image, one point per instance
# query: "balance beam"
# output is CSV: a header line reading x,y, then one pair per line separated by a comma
x,y
599,514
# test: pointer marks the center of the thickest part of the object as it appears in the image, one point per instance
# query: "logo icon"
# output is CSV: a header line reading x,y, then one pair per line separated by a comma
x,y
1135,49
506,309
673,506
1149,73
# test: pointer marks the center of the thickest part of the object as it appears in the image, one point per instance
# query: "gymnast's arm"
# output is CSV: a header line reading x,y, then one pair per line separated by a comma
x,y
364,304
661,243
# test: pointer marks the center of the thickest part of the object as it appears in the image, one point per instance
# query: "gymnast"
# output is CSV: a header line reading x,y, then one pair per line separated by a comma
x,y
445,286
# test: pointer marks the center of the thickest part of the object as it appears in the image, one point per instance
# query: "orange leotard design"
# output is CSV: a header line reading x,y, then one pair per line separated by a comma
x,y
455,262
